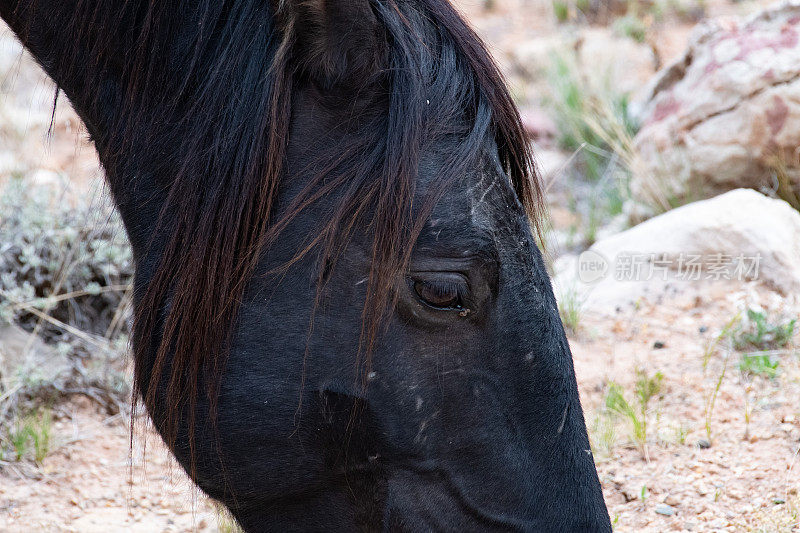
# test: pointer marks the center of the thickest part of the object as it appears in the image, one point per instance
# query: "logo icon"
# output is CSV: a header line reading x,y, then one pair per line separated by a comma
x,y
592,266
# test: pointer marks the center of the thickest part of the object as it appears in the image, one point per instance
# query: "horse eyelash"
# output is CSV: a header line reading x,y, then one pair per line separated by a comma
x,y
445,287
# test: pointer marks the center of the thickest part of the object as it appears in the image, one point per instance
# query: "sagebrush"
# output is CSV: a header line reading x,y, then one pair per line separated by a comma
x,y
65,275
49,249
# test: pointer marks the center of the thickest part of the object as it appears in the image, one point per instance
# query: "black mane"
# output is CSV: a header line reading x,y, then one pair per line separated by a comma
x,y
199,100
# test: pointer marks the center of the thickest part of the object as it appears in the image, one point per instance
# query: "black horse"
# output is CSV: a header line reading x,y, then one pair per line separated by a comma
x,y
342,320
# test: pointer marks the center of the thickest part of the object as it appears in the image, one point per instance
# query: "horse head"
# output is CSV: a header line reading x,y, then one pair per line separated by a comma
x,y
343,320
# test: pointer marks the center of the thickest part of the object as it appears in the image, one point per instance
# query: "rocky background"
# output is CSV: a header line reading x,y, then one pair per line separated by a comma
x,y
666,134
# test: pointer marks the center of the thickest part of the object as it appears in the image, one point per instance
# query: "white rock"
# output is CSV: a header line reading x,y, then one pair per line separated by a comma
x,y
10,163
664,509
603,56
626,64
24,354
532,58
42,177
735,238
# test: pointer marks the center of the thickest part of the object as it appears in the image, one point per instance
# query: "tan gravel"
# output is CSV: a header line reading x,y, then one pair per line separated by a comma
x,y
747,480
86,483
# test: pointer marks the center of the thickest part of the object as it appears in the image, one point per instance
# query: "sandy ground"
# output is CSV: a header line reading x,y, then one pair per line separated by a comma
x,y
86,484
747,480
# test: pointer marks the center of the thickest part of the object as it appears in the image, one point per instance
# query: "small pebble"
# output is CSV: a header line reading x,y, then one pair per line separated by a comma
x,y
703,444
719,523
664,509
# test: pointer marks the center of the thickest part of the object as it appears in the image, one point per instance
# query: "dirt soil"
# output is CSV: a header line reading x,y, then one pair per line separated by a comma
x,y
745,476
748,478
86,484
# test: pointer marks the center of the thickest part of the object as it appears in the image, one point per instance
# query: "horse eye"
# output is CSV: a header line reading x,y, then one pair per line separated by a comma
x,y
440,293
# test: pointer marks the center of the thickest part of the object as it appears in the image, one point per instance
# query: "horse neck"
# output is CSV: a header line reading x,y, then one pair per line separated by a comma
x,y
150,80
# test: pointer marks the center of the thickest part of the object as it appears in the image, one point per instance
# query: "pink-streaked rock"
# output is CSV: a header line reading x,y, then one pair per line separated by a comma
x,y
726,114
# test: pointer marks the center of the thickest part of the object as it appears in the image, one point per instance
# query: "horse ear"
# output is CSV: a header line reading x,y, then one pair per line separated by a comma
x,y
339,42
